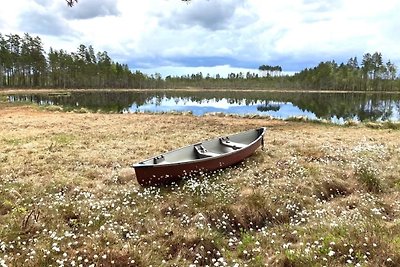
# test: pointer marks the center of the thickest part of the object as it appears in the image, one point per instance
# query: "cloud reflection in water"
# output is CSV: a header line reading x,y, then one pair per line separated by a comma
x,y
198,108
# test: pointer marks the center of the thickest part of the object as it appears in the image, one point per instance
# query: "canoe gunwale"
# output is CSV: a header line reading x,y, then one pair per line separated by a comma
x,y
222,155
155,174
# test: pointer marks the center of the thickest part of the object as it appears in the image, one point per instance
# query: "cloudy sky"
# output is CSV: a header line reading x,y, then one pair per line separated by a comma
x,y
212,36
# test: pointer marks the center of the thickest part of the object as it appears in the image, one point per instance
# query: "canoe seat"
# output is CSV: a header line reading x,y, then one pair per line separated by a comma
x,y
202,152
226,142
158,159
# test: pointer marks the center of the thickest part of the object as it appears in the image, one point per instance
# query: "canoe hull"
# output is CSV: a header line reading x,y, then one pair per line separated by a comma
x,y
158,174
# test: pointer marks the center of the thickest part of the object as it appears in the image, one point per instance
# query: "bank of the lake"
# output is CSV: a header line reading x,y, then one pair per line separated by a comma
x,y
319,194
184,89
336,107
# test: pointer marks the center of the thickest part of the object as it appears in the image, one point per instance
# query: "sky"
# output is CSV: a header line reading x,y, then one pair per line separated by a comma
x,y
172,37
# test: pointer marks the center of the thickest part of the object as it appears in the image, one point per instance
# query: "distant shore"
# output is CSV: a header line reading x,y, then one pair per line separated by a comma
x,y
189,89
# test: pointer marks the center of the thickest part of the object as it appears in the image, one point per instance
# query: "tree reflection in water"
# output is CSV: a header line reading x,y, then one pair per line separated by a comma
x,y
362,106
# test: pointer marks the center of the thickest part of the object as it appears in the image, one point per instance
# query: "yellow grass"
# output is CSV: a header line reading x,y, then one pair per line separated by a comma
x,y
318,194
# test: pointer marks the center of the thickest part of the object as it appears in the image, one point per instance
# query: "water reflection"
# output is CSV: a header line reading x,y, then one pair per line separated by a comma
x,y
227,106
336,107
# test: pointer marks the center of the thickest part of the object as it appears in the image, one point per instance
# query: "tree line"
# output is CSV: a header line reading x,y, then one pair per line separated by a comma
x,y
268,70
25,64
372,74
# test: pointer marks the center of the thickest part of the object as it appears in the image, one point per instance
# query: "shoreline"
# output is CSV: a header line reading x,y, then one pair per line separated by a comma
x,y
23,90
391,125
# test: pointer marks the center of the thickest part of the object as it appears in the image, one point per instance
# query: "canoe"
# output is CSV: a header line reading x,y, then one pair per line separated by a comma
x,y
206,156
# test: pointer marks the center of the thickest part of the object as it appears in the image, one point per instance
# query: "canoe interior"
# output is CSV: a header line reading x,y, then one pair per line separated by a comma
x,y
214,148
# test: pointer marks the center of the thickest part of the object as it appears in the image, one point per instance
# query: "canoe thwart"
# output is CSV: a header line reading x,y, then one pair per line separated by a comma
x,y
227,142
158,159
202,152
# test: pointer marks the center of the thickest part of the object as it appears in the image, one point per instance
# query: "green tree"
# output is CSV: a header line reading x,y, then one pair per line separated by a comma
x,y
14,70
354,74
391,72
104,69
367,69
5,61
34,61
377,65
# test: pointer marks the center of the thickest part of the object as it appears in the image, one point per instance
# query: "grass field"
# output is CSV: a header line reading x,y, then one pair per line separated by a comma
x,y
318,195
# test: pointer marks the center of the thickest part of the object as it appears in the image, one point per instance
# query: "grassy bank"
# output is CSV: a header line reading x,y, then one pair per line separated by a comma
x,y
317,195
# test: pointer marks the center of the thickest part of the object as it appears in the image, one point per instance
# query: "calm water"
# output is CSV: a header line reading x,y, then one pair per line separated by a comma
x,y
336,107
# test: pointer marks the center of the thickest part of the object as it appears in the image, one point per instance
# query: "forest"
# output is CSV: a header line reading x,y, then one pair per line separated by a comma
x,y
25,64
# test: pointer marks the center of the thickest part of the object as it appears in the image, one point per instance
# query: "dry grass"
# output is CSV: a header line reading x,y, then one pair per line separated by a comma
x,y
318,195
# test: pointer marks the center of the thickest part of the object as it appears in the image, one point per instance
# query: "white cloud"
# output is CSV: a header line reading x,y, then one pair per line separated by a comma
x,y
210,15
88,9
39,21
212,35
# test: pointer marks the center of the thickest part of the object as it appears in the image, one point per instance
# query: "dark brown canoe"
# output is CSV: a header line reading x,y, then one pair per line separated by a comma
x,y
206,156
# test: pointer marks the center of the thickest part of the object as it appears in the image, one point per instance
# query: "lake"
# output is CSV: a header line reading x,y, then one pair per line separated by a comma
x,y
334,107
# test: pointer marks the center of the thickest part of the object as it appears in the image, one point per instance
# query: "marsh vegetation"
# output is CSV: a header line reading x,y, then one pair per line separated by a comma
x,y
319,194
